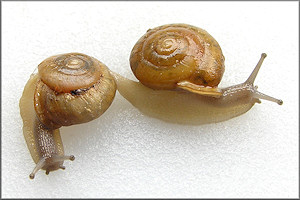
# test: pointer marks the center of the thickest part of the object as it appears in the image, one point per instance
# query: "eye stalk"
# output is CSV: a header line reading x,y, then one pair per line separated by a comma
x,y
247,92
50,164
250,81
68,89
178,82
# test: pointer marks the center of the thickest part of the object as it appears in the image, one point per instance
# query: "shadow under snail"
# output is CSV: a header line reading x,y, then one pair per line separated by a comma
x,y
179,67
68,89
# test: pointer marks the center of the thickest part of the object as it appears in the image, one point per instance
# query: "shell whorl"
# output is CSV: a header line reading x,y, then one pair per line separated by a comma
x,y
73,89
171,53
67,72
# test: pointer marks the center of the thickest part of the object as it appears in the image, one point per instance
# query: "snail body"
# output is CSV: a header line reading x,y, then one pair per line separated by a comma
x,y
68,89
189,95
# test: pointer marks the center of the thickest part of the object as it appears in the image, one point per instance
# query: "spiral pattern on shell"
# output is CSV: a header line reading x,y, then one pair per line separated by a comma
x,y
67,72
172,53
73,88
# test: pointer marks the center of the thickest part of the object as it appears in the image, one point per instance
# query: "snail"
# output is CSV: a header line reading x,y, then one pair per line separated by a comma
x,y
179,67
68,89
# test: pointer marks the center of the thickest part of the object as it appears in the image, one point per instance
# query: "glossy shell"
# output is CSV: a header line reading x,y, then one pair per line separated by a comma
x,y
169,54
73,88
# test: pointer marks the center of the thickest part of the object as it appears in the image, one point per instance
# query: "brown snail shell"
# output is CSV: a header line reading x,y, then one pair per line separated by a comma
x,y
174,53
179,67
68,89
73,88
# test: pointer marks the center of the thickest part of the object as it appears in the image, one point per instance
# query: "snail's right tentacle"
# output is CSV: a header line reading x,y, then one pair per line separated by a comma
x,y
68,89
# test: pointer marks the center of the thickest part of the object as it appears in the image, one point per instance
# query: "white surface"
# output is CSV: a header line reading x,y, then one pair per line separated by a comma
x,y
126,154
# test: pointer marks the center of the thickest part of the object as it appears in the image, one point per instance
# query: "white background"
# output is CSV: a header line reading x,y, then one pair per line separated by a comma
x,y
127,154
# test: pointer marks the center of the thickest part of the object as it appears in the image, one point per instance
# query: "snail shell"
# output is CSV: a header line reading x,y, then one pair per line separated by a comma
x,y
173,53
73,89
179,67
68,89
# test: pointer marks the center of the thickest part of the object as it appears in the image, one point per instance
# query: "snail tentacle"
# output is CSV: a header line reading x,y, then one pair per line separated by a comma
x,y
179,67
38,166
249,85
258,95
251,79
255,71
68,89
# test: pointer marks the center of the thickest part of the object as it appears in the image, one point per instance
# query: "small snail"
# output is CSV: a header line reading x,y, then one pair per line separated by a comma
x,y
179,67
68,89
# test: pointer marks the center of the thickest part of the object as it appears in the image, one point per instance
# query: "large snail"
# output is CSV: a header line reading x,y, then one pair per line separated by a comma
x,y
179,67
68,89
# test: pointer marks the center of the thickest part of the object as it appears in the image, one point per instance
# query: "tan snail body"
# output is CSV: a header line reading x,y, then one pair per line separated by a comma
x,y
179,67
68,89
